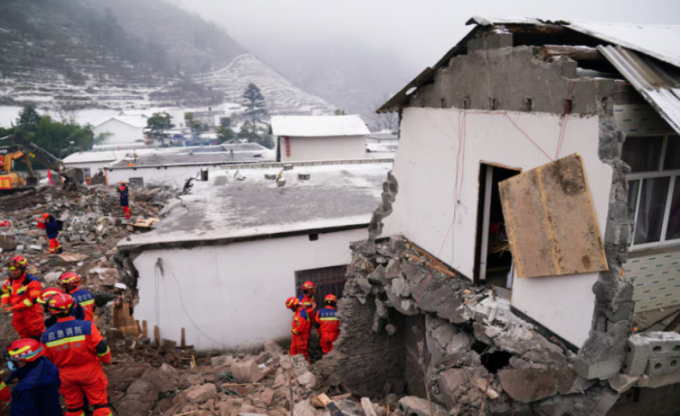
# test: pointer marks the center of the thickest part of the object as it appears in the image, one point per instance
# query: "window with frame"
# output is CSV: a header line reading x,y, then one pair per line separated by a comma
x,y
653,189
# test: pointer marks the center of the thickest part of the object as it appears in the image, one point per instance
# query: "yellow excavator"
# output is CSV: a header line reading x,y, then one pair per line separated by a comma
x,y
10,180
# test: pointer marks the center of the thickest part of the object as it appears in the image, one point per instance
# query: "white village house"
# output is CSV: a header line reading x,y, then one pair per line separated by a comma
x,y
305,138
223,263
122,129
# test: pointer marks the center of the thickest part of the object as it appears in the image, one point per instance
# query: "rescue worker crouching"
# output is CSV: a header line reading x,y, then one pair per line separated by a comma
x,y
37,393
77,349
19,294
123,191
51,227
69,282
329,324
300,328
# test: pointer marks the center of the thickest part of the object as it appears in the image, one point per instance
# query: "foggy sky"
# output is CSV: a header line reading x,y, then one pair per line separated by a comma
x,y
416,32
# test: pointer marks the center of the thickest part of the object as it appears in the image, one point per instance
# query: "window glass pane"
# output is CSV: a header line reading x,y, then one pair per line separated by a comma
x,y
671,157
631,199
642,153
651,210
673,226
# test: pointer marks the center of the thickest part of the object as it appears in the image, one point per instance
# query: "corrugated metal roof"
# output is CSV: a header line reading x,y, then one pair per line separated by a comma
x,y
658,41
319,126
658,87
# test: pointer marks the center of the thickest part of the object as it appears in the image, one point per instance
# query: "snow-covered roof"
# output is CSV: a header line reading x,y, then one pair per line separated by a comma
x,y
134,121
241,204
319,126
91,157
658,41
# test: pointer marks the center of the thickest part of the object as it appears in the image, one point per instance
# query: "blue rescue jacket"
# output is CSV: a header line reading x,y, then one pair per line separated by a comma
x,y
37,393
123,190
51,227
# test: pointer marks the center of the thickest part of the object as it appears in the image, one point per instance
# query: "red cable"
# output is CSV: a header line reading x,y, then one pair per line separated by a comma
x,y
528,137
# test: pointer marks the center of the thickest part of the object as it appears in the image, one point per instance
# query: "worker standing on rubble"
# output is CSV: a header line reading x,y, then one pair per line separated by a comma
x,y
300,328
77,348
69,282
37,393
45,296
328,324
125,203
19,294
51,227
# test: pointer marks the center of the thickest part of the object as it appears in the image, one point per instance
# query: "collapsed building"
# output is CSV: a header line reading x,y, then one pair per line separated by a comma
x,y
530,218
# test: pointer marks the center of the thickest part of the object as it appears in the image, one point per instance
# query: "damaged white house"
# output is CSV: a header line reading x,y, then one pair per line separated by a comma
x,y
541,157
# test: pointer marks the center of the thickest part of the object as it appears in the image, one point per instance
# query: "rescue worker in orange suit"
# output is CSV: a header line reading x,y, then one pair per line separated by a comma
x,y
78,350
125,203
69,282
46,294
19,294
51,227
328,324
300,328
37,393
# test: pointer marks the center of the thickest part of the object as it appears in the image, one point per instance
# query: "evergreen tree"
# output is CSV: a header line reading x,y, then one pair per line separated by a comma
x,y
254,102
157,126
225,135
28,118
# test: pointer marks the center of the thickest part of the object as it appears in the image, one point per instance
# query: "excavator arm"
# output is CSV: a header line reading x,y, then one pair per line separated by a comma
x,y
32,151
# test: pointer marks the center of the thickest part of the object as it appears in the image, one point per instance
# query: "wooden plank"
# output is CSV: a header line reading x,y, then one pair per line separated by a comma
x,y
157,336
145,332
330,405
551,221
183,342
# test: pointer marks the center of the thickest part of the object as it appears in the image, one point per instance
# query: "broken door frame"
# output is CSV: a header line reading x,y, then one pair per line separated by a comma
x,y
483,237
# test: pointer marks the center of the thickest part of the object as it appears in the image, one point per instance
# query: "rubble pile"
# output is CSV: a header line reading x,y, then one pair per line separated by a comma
x,y
474,352
93,225
270,383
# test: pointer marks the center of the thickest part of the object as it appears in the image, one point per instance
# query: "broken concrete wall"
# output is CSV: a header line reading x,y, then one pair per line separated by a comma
x,y
602,354
472,347
505,105
368,360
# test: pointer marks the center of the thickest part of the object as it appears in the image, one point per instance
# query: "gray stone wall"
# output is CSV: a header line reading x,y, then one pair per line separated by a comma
x,y
367,361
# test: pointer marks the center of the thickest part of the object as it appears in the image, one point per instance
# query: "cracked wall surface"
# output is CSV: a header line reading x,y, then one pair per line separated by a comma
x,y
405,296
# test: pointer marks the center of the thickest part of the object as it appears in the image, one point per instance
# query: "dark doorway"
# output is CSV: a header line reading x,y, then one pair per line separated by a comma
x,y
493,259
326,280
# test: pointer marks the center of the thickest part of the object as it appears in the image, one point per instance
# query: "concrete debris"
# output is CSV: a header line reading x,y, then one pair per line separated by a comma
x,y
247,371
622,382
416,406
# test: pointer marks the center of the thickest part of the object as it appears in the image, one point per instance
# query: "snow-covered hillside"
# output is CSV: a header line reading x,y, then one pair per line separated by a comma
x,y
281,95
138,54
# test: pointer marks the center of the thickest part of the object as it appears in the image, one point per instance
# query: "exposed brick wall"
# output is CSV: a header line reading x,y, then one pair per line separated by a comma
x,y
362,358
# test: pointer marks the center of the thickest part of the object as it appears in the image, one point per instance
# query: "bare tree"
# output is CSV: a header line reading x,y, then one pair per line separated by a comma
x,y
67,110
382,121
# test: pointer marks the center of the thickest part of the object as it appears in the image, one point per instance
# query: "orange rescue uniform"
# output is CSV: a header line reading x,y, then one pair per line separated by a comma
x,y
78,349
300,328
328,328
309,304
21,295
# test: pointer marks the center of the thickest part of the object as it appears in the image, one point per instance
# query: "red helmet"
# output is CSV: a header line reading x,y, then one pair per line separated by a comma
x,y
330,298
60,303
18,263
46,216
46,294
69,279
25,350
308,286
292,302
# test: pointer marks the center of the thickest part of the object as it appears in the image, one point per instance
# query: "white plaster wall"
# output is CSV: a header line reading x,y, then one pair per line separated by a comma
x,y
324,148
430,154
238,298
121,132
171,176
